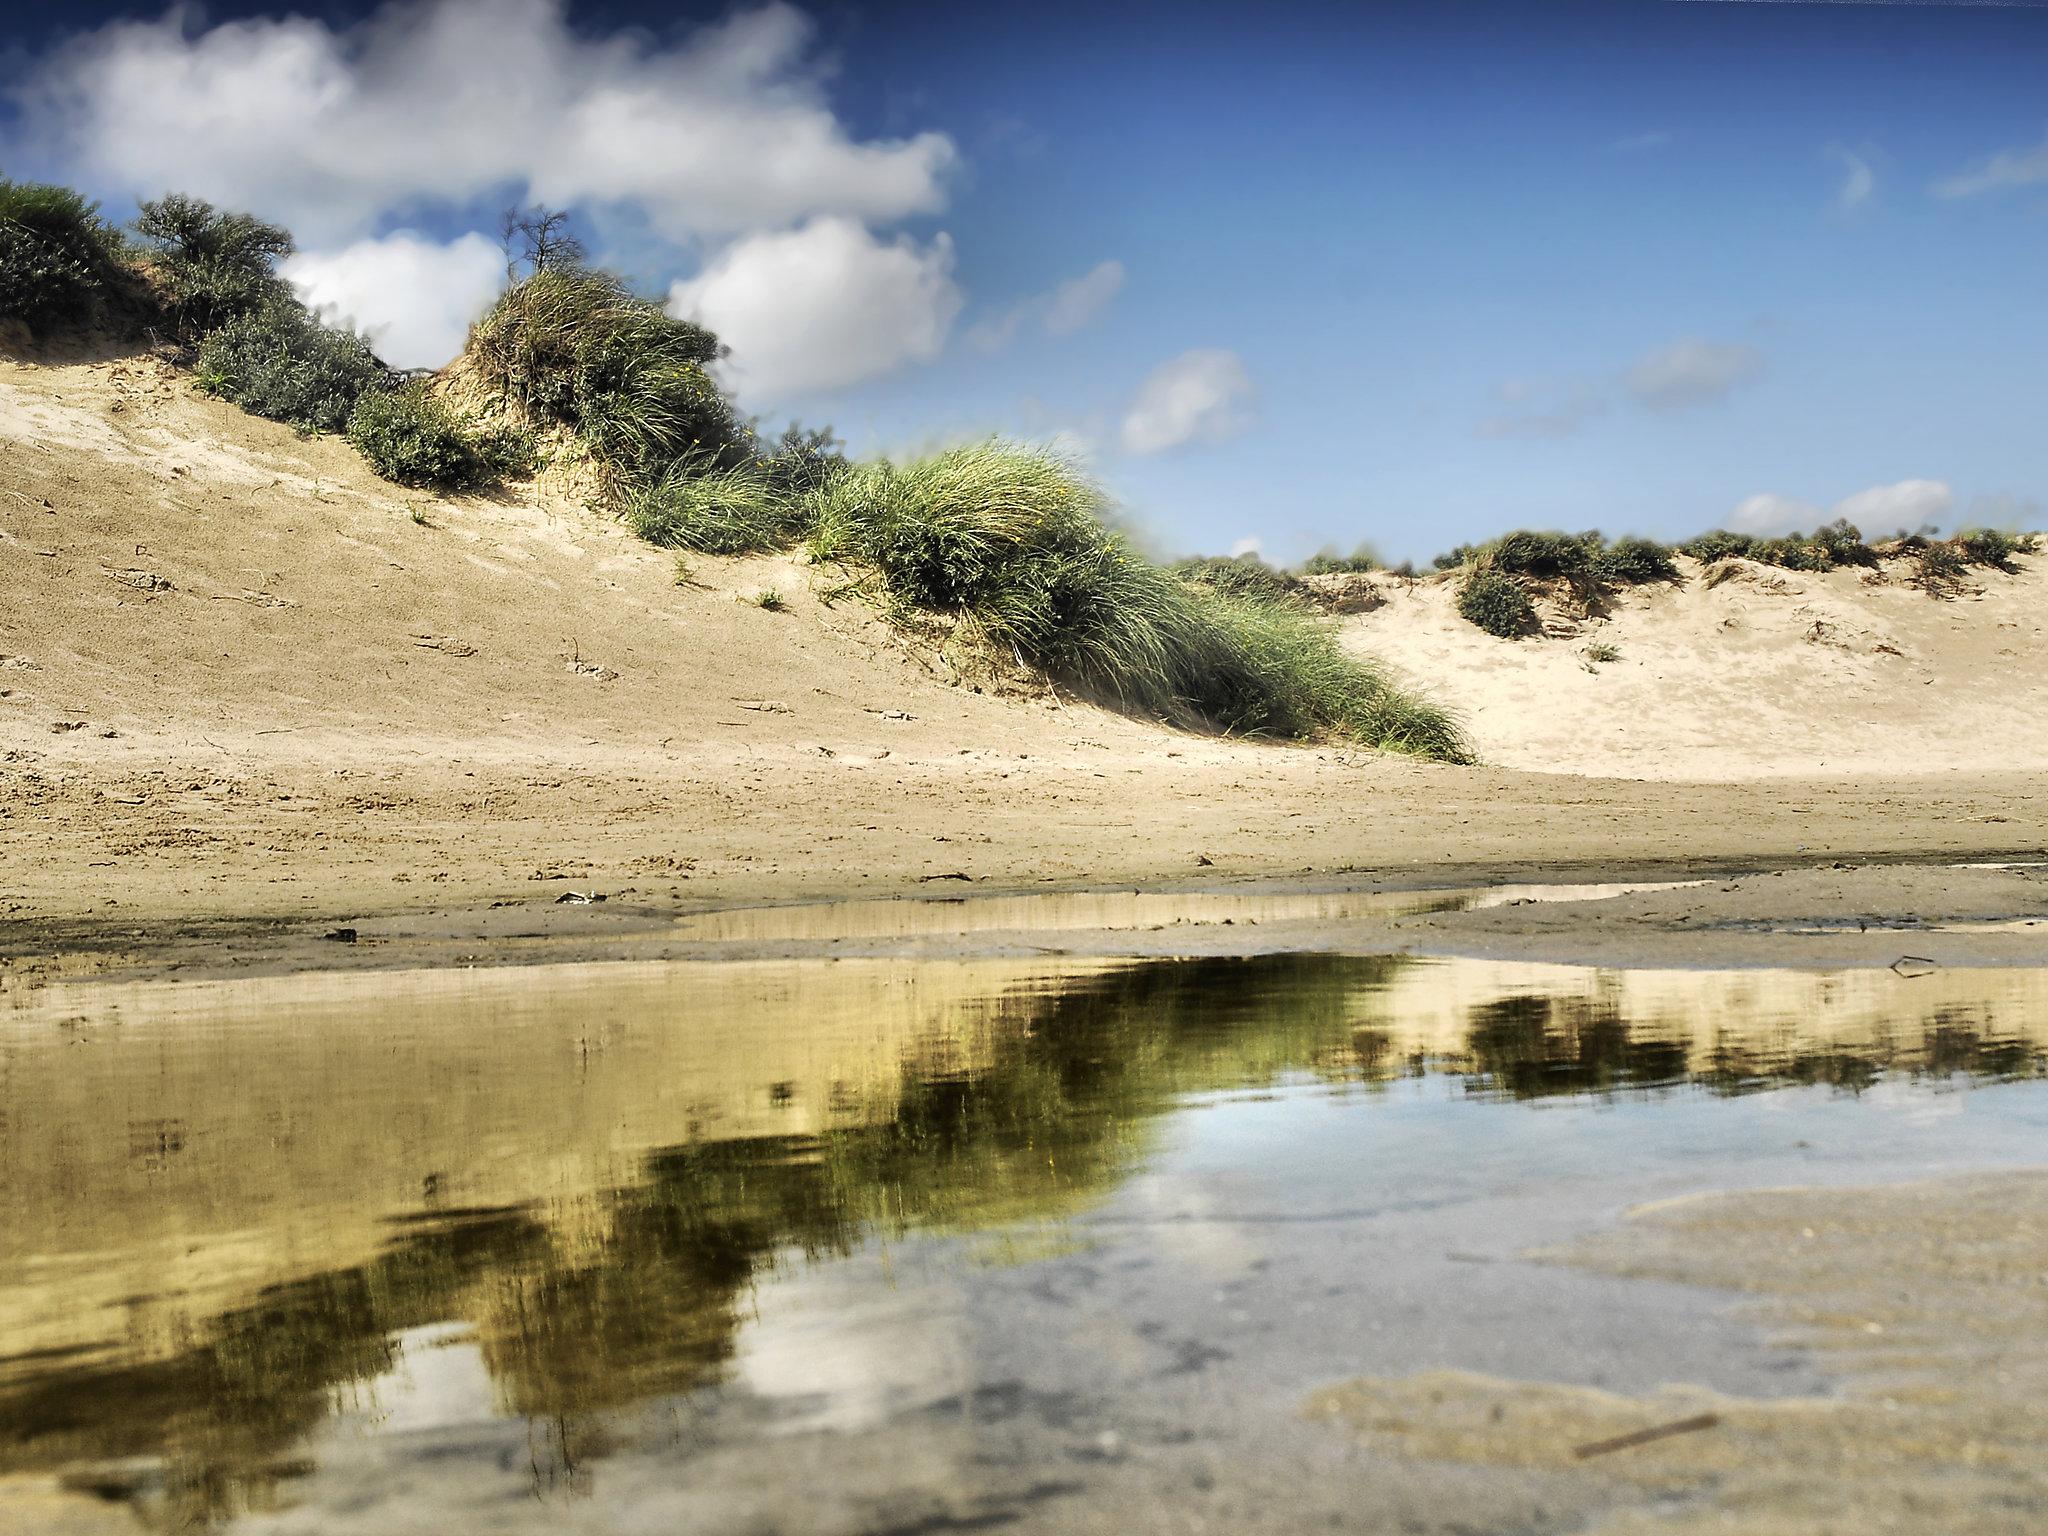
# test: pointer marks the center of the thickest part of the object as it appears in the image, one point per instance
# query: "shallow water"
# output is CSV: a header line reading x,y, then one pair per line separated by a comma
x,y
898,1245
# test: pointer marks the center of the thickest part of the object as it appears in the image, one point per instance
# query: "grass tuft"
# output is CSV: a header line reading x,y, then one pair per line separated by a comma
x,y
577,348
1016,538
733,511
412,436
59,261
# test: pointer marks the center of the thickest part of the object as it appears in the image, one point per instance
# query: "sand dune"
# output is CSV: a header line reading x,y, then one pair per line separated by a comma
x,y
240,676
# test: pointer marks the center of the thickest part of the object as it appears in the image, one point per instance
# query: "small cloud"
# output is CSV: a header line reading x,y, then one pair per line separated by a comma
x,y
1201,396
1905,504
1858,180
1771,515
2007,169
1641,143
1063,311
1078,300
1251,546
1693,372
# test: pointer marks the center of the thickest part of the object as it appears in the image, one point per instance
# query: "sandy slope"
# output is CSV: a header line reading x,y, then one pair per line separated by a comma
x,y
239,679
1770,673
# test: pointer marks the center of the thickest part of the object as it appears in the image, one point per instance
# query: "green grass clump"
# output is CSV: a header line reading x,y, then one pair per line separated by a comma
x,y
576,347
1635,562
1496,603
1827,548
59,260
1240,575
282,363
1327,562
1524,553
411,435
734,511
769,600
212,267
1014,538
1992,546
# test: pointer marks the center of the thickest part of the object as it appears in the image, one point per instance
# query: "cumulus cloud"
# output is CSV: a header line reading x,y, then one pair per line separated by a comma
x,y
1079,300
1203,396
1693,372
1066,309
823,306
1905,504
1997,173
414,298
724,132
1768,514
1858,179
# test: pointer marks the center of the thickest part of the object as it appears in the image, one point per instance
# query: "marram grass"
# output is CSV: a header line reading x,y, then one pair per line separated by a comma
x,y
1015,536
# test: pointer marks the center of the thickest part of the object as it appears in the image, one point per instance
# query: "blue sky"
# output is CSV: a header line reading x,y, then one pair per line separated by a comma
x,y
1307,275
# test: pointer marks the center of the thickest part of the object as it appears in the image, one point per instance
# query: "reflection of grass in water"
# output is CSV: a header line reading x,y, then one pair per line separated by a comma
x,y
639,1292
641,1295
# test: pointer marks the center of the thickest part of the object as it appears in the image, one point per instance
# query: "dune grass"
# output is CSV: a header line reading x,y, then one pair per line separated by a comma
x,y
60,262
575,347
734,511
1017,538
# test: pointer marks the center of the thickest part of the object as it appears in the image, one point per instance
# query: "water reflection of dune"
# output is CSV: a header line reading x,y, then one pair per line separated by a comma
x,y
227,1202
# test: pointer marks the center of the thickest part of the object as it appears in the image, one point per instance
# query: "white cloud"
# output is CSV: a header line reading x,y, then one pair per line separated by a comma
x,y
1069,307
415,299
1693,372
1079,300
725,132
1877,509
1858,180
1906,504
1253,546
2008,168
1768,514
1201,396
823,306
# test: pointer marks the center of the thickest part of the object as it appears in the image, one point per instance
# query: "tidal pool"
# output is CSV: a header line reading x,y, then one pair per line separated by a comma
x,y
902,1245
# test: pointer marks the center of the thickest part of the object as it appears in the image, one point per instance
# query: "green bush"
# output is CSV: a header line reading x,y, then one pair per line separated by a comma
x,y
733,511
804,460
1327,562
1496,603
1241,575
58,258
1840,543
1524,553
1719,545
212,267
575,347
1634,562
283,364
1015,539
412,436
1991,546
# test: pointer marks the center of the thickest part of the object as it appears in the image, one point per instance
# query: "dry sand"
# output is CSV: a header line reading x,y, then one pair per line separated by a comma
x,y
242,680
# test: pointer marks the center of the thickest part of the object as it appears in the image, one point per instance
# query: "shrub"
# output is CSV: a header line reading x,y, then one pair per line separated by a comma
x,y
212,267
282,363
804,460
1632,562
1013,538
412,436
1523,553
58,259
1990,546
1241,575
1718,545
733,511
1840,543
1496,603
577,348
1939,569
1327,562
